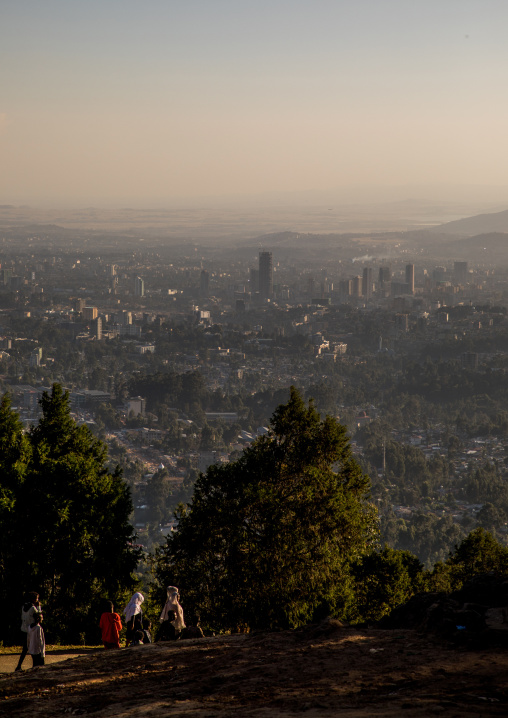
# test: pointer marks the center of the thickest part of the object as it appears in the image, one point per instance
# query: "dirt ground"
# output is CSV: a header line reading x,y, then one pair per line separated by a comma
x,y
321,671
9,661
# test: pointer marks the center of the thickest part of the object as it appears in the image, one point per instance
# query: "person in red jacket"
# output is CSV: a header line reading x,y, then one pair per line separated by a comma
x,y
111,625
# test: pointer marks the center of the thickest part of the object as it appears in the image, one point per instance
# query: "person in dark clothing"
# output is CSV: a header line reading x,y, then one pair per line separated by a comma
x,y
147,631
167,631
194,630
137,639
30,607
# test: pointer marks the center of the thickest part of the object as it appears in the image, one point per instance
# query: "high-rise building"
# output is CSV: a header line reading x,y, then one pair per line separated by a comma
x,y
139,287
384,277
79,305
439,275
265,275
253,280
460,272
356,289
5,276
410,278
89,313
35,357
124,318
367,283
97,328
345,288
204,282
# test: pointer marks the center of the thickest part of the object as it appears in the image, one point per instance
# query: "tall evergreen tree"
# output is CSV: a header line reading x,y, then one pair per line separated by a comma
x,y
15,452
14,455
69,521
269,540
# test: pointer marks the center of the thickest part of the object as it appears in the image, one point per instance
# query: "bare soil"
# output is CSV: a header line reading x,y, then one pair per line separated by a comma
x,y
9,661
321,671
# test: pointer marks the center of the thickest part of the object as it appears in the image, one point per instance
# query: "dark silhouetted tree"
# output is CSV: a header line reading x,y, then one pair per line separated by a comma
x,y
269,540
68,521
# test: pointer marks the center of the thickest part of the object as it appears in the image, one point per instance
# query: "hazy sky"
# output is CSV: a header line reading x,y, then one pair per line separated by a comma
x,y
140,101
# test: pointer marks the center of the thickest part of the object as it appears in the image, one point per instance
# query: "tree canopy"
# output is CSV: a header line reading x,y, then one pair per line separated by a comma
x,y
64,518
269,540
478,553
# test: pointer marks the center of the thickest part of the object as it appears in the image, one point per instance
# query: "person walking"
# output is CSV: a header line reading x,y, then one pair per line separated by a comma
x,y
30,607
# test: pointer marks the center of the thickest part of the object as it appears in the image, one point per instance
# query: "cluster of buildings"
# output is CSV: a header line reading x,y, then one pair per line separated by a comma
x,y
250,322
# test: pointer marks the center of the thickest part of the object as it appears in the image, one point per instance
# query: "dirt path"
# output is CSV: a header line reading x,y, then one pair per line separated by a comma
x,y
9,661
354,673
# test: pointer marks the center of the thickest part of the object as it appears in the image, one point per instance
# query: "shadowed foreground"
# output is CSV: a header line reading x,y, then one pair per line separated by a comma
x,y
319,671
9,661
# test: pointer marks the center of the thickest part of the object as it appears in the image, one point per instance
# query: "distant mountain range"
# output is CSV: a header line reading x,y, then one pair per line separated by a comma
x,y
481,238
479,224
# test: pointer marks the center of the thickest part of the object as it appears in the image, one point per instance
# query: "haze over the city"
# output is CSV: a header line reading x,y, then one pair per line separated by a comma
x,y
164,101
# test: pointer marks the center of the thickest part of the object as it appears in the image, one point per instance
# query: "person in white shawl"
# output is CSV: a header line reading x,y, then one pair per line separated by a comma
x,y
131,610
172,604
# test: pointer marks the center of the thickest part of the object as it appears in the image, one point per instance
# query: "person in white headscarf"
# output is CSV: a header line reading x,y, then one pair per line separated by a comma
x,y
133,616
173,604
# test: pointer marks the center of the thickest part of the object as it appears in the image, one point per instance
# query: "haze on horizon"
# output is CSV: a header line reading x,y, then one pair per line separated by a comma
x,y
119,101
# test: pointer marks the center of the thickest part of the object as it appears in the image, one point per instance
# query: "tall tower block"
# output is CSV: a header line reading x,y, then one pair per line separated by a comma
x,y
460,272
204,283
367,282
410,278
265,275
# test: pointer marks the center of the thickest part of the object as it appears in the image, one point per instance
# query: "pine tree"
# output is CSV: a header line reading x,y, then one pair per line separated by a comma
x,y
269,540
14,455
69,521
15,452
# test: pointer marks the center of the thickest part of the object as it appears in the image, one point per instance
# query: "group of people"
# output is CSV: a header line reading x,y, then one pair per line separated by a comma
x,y
111,624
138,627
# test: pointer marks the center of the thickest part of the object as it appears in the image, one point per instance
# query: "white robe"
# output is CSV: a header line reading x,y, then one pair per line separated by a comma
x,y
133,607
35,641
172,604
